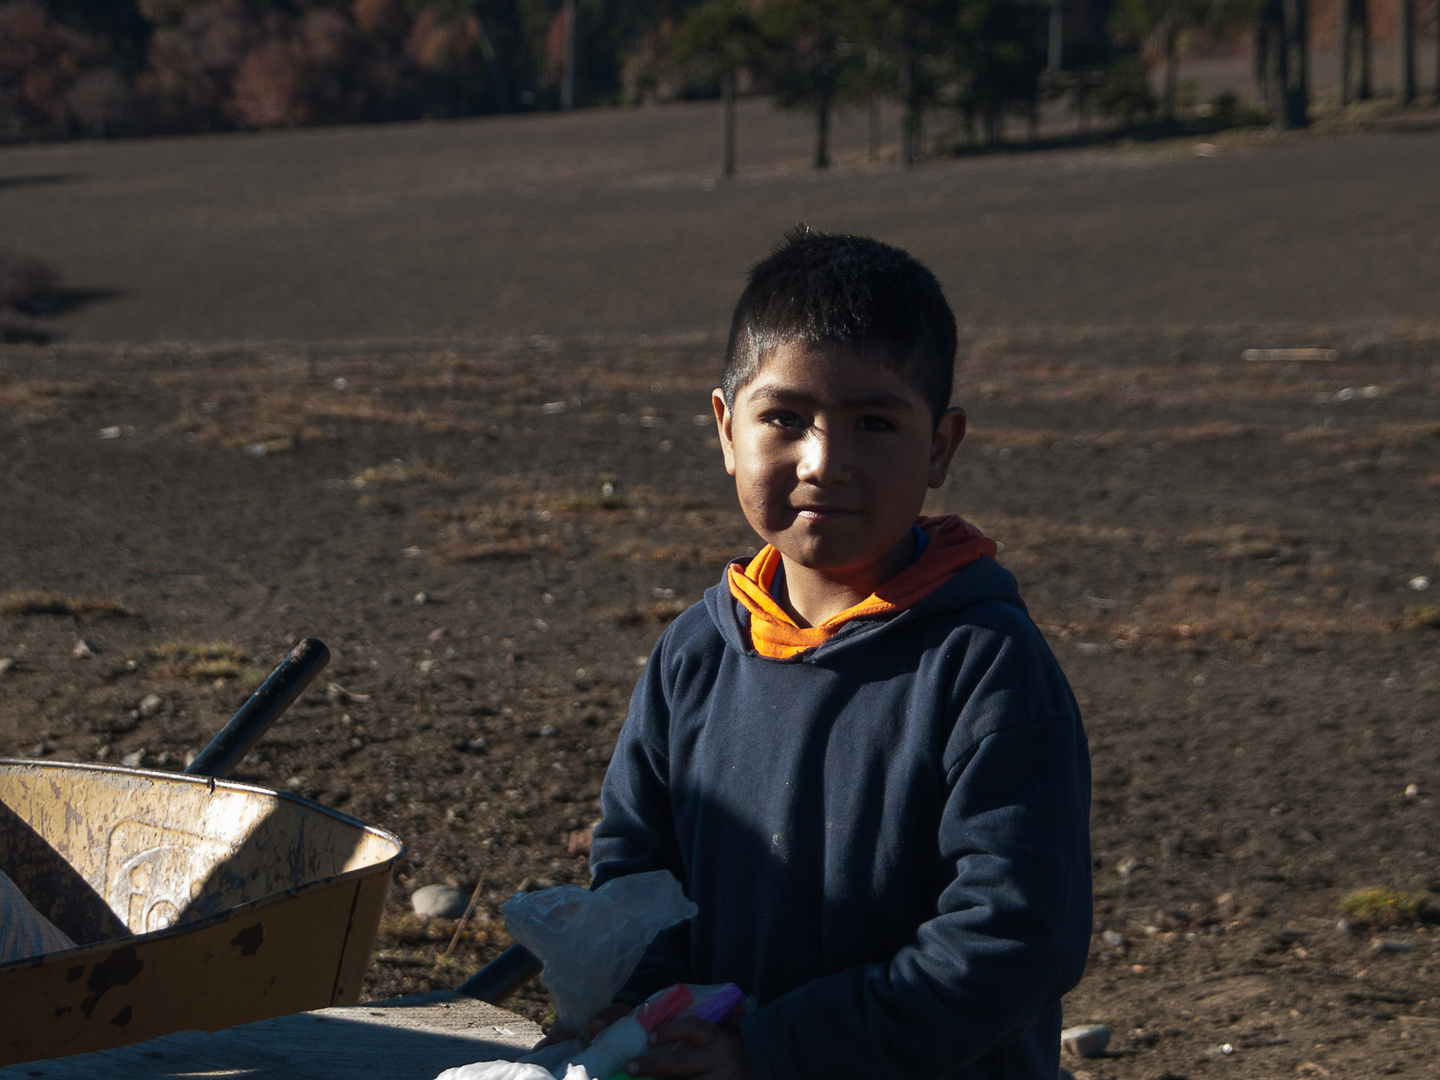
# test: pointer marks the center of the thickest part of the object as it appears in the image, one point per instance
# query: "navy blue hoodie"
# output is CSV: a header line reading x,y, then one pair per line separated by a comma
x,y
887,838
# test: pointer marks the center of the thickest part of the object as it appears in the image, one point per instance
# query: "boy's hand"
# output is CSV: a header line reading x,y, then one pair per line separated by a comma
x,y
709,1051
599,1022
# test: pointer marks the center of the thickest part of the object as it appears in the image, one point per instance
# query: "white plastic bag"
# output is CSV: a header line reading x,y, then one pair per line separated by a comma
x,y
626,1038
24,932
509,1070
591,942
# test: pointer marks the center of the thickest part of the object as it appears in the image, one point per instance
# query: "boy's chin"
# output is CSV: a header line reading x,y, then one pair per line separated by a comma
x,y
829,559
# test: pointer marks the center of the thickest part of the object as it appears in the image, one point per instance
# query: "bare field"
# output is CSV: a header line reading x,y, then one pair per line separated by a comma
x,y
614,222
490,536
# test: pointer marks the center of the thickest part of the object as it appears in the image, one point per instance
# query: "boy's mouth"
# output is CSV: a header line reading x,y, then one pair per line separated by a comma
x,y
823,513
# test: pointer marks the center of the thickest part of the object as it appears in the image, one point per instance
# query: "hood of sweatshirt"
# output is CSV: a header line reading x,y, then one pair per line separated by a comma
x,y
984,580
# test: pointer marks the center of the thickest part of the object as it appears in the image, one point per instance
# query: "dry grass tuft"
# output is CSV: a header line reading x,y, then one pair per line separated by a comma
x,y
38,400
514,547
1422,617
204,660
645,614
396,473
532,512
44,602
408,928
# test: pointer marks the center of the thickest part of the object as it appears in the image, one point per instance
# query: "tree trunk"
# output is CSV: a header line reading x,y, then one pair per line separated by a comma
x,y
1172,71
1263,49
499,100
1363,88
1405,47
1273,32
1297,63
822,126
727,122
873,126
1354,52
910,119
872,117
567,80
1347,53
994,126
1286,71
1055,53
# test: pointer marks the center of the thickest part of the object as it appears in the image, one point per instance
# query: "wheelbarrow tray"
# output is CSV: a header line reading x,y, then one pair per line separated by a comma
x,y
198,903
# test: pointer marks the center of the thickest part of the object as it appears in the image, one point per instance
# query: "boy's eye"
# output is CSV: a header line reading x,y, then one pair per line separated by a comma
x,y
783,418
876,423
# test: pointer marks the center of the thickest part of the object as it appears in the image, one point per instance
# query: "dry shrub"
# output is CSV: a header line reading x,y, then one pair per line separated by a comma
x,y
27,283
1383,908
21,332
44,602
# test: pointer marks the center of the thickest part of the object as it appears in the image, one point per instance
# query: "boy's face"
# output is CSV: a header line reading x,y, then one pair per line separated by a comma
x,y
832,456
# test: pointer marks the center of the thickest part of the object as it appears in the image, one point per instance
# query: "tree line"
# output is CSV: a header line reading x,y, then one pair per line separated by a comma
x,y
71,68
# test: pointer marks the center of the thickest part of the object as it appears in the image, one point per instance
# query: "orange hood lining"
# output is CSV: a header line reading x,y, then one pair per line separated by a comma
x,y
953,545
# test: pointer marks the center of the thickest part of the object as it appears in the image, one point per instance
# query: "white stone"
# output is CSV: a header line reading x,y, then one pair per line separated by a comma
x,y
439,902
150,705
1381,945
1087,1040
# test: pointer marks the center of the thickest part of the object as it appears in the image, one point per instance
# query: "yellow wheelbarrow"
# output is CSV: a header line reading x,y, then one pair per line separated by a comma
x,y
197,903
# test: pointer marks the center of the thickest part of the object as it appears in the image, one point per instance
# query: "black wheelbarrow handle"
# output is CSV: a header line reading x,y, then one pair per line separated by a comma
x,y
493,983
286,683
500,978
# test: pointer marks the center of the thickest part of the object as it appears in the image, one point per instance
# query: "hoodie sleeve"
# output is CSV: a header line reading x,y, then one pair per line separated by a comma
x,y
1009,936
636,833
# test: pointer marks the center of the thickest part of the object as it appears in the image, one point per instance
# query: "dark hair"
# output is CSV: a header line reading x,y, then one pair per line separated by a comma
x,y
850,291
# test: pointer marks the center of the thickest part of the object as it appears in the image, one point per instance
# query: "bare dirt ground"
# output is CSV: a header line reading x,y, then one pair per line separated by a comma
x,y
613,222
1226,556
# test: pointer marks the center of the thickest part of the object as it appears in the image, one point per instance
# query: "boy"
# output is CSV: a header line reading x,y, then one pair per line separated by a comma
x,y
857,755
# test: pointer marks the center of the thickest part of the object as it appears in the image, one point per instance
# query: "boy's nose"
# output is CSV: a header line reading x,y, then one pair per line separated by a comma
x,y
823,459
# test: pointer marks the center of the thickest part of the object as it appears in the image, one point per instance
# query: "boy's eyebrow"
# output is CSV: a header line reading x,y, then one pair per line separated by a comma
x,y
778,394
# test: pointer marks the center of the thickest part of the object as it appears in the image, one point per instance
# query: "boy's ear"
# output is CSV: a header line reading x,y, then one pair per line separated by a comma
x,y
949,434
723,423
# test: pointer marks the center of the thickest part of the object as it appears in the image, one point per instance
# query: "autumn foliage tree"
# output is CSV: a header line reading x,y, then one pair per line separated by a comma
x,y
56,82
